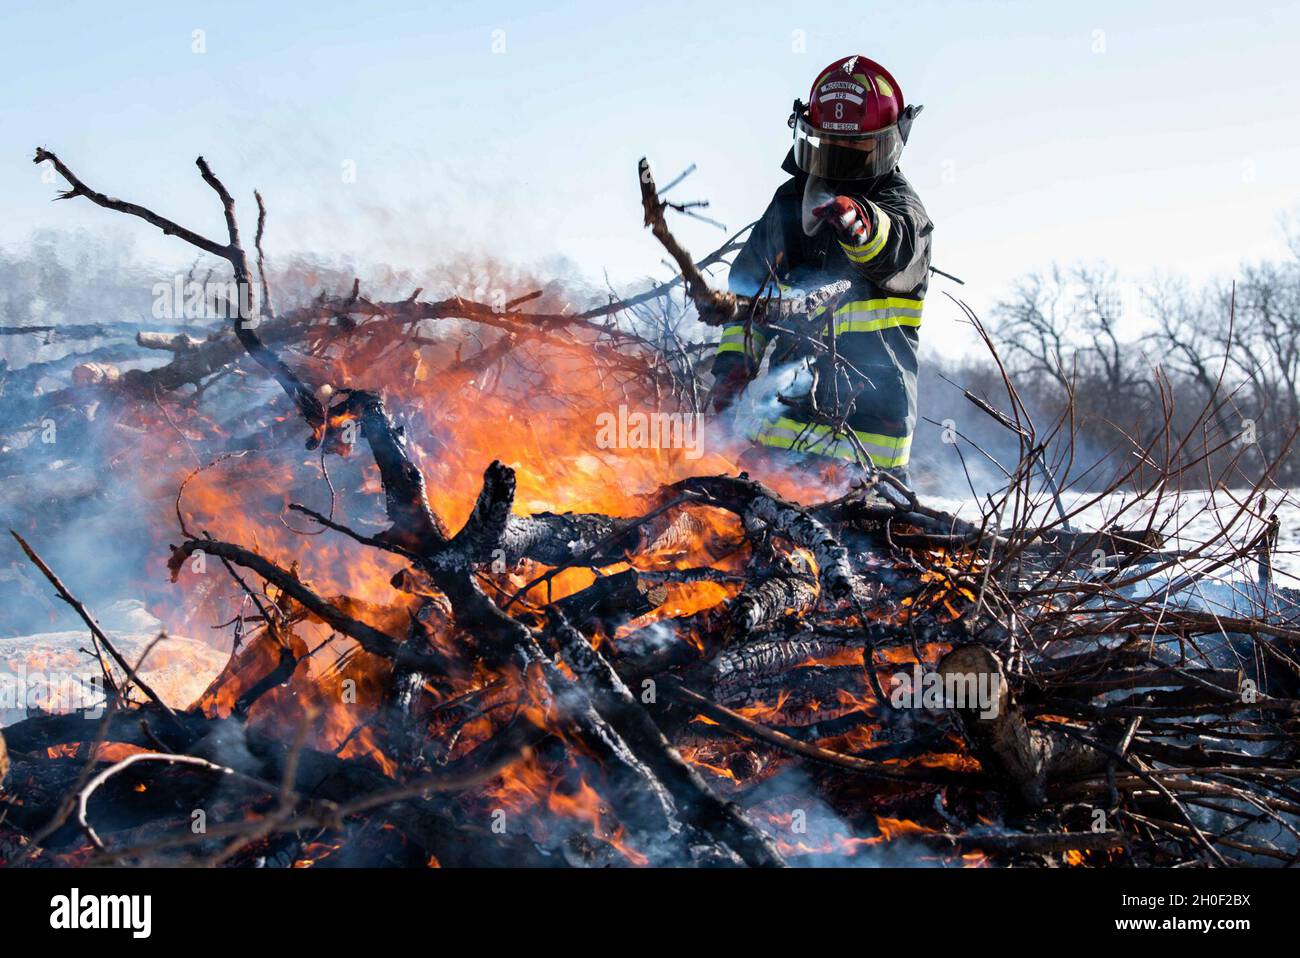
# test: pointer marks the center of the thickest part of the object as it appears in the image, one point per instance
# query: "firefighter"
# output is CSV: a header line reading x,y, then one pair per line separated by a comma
x,y
846,213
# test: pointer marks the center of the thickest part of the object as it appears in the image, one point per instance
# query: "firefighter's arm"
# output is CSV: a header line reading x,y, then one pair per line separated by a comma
x,y
740,351
884,239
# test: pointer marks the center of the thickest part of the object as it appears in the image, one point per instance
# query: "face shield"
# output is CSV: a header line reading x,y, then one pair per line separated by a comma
x,y
845,156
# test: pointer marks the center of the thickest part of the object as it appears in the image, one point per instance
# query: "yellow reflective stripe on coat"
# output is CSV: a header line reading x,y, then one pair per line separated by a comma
x,y
872,247
868,315
885,451
733,340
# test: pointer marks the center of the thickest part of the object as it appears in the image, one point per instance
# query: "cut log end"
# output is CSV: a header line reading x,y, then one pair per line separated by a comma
x,y
1027,755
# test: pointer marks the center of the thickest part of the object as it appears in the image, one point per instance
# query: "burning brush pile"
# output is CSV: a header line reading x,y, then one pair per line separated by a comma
x,y
462,632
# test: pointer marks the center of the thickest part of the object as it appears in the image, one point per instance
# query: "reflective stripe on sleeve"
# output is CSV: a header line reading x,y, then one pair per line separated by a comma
x,y
872,247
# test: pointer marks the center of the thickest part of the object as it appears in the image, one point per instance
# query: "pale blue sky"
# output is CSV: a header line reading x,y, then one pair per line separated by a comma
x,y
1159,135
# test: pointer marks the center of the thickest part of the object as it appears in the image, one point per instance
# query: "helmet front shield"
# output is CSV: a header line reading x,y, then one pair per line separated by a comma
x,y
846,156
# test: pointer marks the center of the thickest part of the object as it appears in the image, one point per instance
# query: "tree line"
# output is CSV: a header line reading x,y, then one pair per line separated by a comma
x,y
1218,361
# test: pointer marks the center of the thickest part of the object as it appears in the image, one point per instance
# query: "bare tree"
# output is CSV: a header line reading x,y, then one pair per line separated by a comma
x,y
1231,349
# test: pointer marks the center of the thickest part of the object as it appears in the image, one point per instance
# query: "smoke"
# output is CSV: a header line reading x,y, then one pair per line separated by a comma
x,y
961,454
790,808
759,403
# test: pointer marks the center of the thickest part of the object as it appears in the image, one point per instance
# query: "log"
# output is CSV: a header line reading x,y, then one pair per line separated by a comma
x,y
611,601
493,534
798,685
775,597
697,805
759,506
170,342
1005,743
637,796
740,667
95,374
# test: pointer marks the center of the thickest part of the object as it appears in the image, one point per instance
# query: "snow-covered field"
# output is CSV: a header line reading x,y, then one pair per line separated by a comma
x,y
1188,520
51,671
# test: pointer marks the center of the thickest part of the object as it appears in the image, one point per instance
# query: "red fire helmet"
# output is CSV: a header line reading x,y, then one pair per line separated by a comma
x,y
854,124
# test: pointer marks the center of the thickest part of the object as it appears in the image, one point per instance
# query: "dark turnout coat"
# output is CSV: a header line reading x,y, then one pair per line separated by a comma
x,y
876,325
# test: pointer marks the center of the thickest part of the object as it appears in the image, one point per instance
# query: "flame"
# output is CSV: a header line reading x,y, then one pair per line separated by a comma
x,y
528,786
539,411
892,829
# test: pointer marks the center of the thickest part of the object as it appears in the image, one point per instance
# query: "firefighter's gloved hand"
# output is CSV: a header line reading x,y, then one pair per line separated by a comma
x,y
716,309
849,220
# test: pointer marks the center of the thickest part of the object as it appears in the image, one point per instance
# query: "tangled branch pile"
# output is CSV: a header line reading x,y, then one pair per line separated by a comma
x,y
732,674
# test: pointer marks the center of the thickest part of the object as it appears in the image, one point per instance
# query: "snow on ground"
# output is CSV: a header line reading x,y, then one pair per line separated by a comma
x,y
1187,520
49,670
